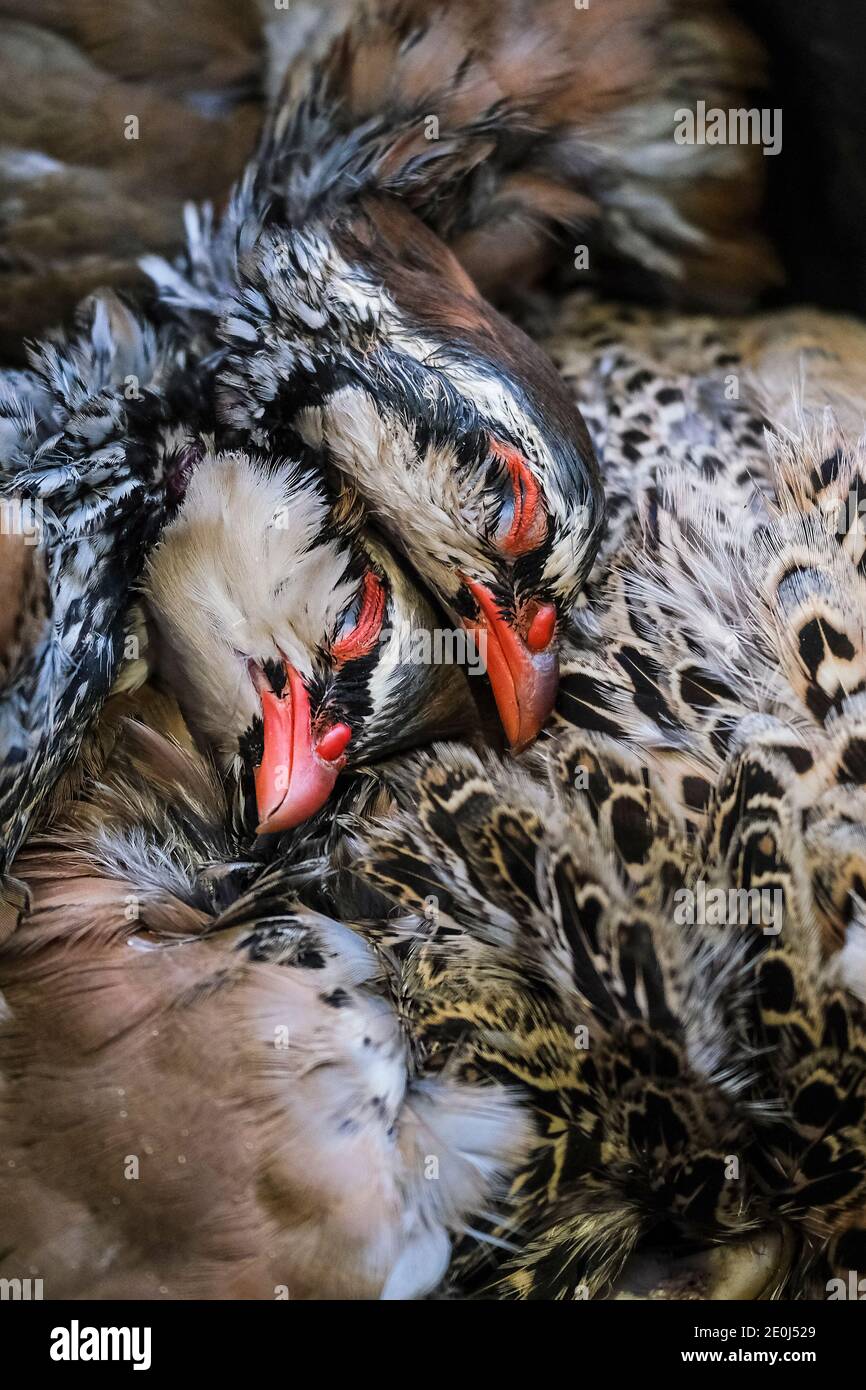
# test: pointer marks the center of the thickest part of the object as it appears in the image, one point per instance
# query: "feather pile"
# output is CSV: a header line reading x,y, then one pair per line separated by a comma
x,y
608,1003
589,1022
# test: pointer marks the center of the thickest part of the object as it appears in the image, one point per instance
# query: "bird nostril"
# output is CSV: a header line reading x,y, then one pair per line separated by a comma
x,y
540,632
332,745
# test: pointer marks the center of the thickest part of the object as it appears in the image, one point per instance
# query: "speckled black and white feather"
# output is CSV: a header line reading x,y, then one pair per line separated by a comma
x,y
92,437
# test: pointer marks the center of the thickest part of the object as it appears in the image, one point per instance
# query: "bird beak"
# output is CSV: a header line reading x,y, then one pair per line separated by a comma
x,y
297,773
523,668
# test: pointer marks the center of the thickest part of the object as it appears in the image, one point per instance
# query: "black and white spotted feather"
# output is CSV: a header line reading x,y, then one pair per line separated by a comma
x,y
94,436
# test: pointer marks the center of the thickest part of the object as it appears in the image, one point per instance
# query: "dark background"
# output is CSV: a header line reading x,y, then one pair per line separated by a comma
x,y
817,191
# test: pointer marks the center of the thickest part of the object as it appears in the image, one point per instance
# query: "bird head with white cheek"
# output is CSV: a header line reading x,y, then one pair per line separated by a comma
x,y
466,446
285,631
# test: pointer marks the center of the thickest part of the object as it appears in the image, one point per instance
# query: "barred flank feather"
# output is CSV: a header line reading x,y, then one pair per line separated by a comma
x,y
700,1082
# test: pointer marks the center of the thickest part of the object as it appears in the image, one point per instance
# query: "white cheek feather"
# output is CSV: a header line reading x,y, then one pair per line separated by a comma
x,y
568,555
240,573
408,610
416,498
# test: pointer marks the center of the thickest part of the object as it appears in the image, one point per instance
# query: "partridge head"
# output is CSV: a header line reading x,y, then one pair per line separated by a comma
x,y
288,634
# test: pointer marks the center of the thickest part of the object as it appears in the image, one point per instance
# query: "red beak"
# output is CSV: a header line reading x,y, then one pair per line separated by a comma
x,y
523,669
297,774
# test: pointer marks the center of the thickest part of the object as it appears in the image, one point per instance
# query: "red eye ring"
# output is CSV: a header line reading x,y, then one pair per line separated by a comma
x,y
363,637
529,519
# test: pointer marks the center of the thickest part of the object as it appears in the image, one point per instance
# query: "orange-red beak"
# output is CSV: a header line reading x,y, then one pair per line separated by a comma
x,y
522,663
297,772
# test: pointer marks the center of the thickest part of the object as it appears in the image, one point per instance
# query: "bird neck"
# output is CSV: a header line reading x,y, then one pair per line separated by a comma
x,y
402,104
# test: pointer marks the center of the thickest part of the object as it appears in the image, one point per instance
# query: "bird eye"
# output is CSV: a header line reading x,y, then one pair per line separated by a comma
x,y
522,522
363,622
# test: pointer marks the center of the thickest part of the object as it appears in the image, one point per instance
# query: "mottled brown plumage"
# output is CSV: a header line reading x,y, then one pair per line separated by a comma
x,y
692,1085
226,1106
513,1067
83,192
553,120
669,1102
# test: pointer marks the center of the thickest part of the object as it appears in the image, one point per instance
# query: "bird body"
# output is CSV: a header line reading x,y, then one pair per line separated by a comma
x,y
692,622
113,116
691,1084
245,1070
